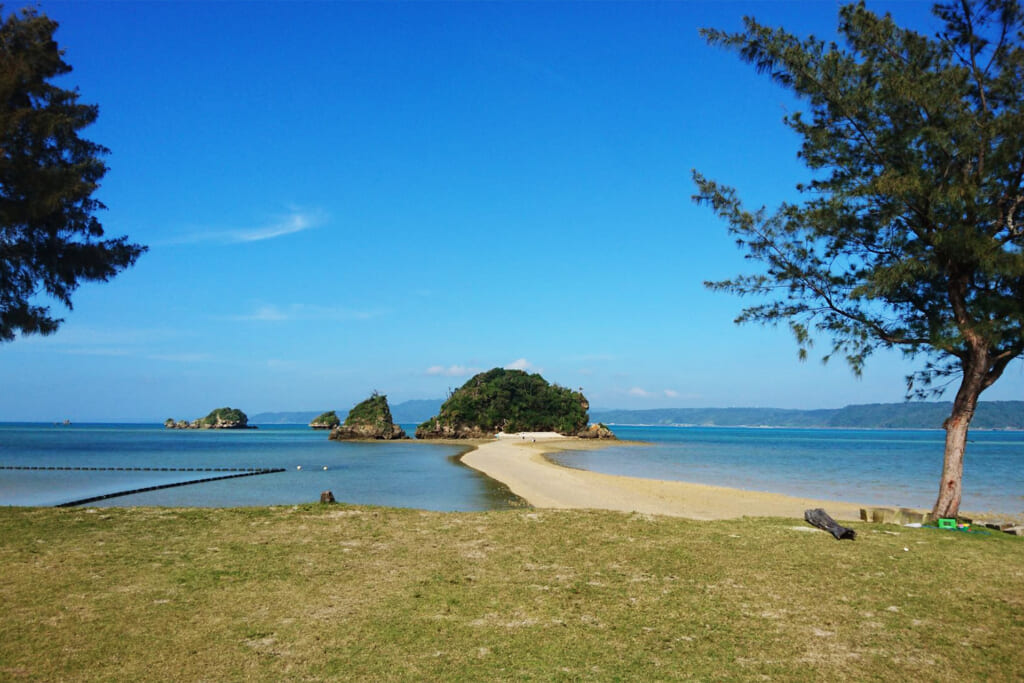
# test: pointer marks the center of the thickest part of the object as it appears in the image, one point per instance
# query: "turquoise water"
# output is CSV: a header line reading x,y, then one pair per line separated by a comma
x,y
878,467
875,467
417,475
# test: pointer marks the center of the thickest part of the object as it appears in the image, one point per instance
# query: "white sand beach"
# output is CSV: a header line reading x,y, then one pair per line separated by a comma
x,y
518,461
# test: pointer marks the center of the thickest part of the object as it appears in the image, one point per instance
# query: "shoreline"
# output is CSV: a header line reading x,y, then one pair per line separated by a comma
x,y
682,425
523,467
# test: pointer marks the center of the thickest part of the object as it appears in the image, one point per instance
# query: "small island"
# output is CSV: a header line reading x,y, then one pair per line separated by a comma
x,y
369,420
511,401
220,418
328,420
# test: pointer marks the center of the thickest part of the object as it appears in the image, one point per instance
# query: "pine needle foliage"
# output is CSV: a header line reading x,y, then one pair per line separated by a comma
x,y
911,234
50,238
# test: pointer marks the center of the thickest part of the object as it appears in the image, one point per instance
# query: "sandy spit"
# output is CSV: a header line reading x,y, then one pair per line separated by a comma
x,y
519,463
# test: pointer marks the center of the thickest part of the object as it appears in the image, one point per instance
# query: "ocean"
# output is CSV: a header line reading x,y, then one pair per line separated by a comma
x,y
885,467
401,474
876,467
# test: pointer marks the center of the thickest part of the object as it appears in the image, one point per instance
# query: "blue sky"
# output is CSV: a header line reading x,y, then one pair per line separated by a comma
x,y
348,197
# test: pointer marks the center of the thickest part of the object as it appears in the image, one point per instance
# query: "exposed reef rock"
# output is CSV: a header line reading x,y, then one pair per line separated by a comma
x,y
507,401
434,428
370,419
221,418
328,420
597,431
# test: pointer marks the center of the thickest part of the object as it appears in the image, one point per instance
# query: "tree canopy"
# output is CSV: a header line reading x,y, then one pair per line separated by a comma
x,y
510,401
50,238
226,414
327,419
910,235
369,419
372,411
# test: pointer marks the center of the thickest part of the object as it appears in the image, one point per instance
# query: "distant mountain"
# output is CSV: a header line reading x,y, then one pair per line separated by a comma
x,y
409,412
302,417
911,415
416,411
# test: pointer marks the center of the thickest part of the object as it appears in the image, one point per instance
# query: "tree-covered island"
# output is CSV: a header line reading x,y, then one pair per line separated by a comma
x,y
370,419
219,418
510,401
328,420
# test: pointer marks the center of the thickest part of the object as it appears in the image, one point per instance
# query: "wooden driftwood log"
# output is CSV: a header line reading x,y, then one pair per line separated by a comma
x,y
819,518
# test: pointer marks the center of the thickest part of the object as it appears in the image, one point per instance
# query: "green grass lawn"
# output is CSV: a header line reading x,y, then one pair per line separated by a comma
x,y
357,593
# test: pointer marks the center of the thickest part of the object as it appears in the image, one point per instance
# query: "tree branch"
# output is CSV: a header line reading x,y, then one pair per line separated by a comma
x,y
1000,362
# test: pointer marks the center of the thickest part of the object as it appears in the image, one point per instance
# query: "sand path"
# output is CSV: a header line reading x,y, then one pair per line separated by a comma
x,y
520,464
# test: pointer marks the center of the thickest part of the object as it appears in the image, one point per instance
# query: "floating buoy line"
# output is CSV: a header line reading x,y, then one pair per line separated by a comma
x,y
235,473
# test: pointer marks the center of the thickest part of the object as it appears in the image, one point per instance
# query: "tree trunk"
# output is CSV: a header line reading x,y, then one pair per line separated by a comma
x,y
956,426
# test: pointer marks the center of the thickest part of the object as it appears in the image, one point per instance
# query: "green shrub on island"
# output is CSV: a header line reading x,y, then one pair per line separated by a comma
x,y
226,416
370,419
373,409
327,420
509,401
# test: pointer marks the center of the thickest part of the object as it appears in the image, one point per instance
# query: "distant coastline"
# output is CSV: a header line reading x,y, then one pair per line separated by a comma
x,y
991,415
823,428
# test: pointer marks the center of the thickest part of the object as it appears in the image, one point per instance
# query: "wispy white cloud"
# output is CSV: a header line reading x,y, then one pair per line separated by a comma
x,y
181,357
72,334
522,364
265,313
121,352
119,342
273,313
95,351
640,392
295,221
452,370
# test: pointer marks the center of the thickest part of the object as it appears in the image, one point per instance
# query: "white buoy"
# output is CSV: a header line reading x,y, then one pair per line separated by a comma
x,y
298,467
325,467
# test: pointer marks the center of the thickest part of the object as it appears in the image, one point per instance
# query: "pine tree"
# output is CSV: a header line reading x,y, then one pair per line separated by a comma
x,y
50,238
911,235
